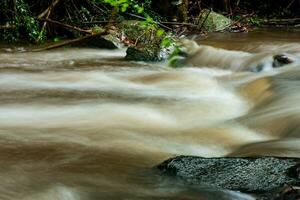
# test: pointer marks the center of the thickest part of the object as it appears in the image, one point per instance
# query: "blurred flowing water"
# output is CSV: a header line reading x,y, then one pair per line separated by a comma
x,y
85,124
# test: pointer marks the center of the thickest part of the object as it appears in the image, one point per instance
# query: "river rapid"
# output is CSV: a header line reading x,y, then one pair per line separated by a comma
x,y
84,124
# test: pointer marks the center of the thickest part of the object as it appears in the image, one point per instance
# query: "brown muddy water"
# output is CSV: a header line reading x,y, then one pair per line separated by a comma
x,y
83,124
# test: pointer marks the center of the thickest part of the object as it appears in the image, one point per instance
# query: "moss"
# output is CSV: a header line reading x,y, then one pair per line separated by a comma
x,y
212,21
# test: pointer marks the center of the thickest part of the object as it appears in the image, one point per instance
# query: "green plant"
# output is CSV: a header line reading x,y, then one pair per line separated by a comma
x,y
255,21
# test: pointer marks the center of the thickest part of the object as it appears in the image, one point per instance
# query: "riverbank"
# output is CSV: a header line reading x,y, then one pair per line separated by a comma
x,y
57,20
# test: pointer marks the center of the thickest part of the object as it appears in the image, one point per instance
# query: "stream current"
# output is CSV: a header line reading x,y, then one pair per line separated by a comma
x,y
84,124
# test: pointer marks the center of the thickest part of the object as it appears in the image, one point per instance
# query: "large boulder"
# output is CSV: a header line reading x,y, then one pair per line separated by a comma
x,y
144,44
212,21
250,175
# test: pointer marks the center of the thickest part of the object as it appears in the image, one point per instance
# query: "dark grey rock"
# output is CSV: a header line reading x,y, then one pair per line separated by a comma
x,y
250,175
142,54
149,52
110,41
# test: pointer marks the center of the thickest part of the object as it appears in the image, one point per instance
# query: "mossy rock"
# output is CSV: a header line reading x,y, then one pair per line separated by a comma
x,y
147,46
211,21
147,53
136,31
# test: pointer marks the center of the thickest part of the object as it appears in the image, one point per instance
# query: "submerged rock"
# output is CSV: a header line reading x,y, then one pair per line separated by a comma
x,y
250,175
143,53
149,52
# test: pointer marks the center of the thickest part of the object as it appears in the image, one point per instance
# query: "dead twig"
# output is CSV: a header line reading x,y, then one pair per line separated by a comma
x,y
138,39
70,42
291,3
143,18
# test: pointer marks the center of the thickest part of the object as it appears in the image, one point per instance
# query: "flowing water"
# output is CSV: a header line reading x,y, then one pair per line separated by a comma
x,y
83,124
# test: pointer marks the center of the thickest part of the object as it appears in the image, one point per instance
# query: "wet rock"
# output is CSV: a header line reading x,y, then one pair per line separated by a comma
x,y
143,54
250,175
212,21
143,42
149,52
281,60
106,42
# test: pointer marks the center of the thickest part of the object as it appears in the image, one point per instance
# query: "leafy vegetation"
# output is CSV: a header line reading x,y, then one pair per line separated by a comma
x,y
20,19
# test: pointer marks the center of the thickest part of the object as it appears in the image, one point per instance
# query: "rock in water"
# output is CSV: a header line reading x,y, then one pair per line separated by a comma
x,y
149,52
250,175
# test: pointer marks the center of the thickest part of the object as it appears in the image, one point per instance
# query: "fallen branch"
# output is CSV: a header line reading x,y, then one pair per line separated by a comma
x,y
171,23
99,22
47,12
291,3
179,23
67,26
282,21
70,42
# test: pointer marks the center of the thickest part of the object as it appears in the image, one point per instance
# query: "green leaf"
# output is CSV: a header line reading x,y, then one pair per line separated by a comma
x,y
160,32
149,19
165,42
124,7
140,9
